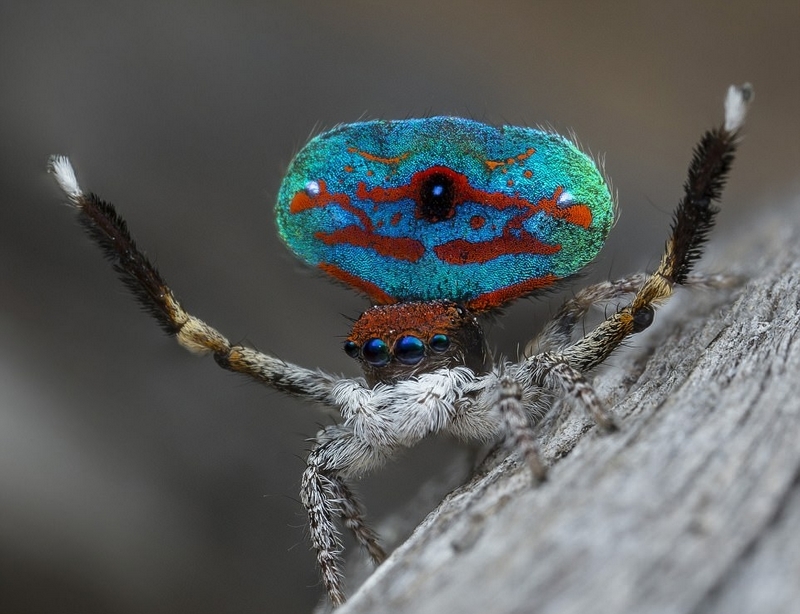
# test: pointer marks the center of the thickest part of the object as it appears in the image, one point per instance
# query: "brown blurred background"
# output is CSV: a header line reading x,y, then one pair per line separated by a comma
x,y
137,478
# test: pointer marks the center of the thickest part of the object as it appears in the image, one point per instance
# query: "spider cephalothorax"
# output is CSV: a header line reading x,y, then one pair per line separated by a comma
x,y
437,221
398,341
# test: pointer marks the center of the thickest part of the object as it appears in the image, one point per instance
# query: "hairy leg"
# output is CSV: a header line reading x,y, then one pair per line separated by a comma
x,y
110,232
519,431
326,497
317,492
352,513
693,220
558,332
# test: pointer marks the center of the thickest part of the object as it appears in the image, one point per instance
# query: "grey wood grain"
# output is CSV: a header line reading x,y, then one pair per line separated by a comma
x,y
693,507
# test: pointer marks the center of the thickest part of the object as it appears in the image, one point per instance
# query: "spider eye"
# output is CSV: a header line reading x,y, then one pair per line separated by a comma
x,y
409,350
351,348
376,352
439,342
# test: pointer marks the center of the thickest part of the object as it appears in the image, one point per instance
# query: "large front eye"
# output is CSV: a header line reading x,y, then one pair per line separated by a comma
x,y
376,352
409,350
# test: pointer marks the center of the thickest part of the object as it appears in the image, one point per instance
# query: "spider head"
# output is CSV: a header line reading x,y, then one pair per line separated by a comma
x,y
395,342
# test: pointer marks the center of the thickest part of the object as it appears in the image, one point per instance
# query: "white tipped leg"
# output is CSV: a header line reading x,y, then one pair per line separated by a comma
x,y
61,167
736,102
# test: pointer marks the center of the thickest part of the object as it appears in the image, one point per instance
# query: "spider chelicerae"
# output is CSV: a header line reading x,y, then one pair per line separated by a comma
x,y
439,221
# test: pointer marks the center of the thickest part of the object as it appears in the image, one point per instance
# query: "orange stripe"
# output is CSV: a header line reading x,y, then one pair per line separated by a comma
x,y
490,300
367,287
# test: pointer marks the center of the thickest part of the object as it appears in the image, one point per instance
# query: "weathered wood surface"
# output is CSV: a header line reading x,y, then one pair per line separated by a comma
x,y
693,507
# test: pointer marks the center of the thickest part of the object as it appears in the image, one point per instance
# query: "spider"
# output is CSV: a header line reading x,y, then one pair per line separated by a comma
x,y
438,221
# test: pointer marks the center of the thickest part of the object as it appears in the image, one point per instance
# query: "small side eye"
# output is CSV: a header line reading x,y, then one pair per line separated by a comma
x,y
409,350
351,348
439,342
376,352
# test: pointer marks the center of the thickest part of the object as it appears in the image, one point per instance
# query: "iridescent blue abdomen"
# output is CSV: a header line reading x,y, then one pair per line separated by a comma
x,y
444,209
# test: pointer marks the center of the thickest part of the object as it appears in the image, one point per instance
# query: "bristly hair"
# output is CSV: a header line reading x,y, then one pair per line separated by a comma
x,y
708,171
695,214
108,230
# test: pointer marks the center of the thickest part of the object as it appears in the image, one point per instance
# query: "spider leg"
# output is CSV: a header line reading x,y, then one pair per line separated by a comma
x,y
352,513
326,496
378,422
693,220
318,494
110,232
519,433
558,332
552,371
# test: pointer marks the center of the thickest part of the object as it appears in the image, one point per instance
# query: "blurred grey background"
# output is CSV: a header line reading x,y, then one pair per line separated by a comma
x,y
135,477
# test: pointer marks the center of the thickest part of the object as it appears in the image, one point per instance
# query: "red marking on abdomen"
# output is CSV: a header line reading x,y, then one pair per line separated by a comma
x,y
354,281
303,201
399,248
490,300
578,214
514,239
461,252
